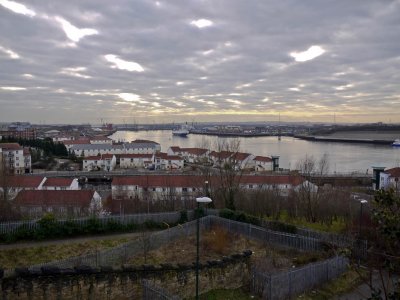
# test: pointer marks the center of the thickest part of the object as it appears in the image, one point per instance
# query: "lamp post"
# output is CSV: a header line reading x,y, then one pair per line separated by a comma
x,y
362,202
199,200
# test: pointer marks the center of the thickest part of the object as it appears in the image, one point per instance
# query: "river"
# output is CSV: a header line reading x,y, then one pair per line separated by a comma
x,y
342,157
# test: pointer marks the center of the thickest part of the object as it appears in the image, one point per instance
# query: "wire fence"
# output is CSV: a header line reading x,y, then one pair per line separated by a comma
x,y
269,236
148,241
153,292
286,285
165,217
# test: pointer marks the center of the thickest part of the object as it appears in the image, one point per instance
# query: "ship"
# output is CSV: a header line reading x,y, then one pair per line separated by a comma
x,y
396,143
182,131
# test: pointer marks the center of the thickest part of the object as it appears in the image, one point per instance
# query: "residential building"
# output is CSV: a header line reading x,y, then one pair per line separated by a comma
x,y
19,130
68,203
16,159
163,161
101,140
126,148
60,183
390,179
14,184
263,163
105,162
187,187
71,143
191,155
135,160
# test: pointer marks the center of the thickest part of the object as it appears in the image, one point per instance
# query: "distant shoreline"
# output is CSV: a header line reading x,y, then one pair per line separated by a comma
x,y
344,140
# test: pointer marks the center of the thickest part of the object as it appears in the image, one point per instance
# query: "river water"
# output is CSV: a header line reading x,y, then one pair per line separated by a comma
x,y
342,157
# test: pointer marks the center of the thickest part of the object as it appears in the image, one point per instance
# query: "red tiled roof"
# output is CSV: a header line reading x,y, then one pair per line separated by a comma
x,y
10,146
277,179
198,181
176,148
195,151
56,181
221,155
239,156
76,142
24,181
99,157
160,181
81,198
394,172
100,138
263,159
136,155
165,156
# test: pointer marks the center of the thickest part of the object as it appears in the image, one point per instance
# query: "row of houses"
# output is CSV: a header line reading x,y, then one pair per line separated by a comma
x,y
186,187
239,160
108,162
85,149
33,196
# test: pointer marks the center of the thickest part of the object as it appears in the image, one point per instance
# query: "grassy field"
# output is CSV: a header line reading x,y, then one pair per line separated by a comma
x,y
19,257
345,283
338,226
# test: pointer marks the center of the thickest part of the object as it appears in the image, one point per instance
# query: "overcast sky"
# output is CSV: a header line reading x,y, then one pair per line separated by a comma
x,y
147,61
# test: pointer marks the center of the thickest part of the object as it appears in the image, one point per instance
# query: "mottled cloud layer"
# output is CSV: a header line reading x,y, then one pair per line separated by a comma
x,y
210,60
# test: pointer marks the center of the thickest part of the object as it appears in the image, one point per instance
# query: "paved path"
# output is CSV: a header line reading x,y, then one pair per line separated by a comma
x,y
80,239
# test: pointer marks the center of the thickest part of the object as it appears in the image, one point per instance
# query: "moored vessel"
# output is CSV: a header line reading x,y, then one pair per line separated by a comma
x,y
396,143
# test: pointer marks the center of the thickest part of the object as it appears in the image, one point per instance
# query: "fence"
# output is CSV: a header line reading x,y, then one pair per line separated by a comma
x,y
149,241
294,282
168,217
273,237
153,292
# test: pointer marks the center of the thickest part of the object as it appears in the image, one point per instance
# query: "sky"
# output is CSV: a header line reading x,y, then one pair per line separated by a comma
x,y
144,61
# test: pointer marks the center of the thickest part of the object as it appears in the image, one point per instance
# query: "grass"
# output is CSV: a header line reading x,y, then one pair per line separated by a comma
x,y
19,257
345,283
223,294
338,226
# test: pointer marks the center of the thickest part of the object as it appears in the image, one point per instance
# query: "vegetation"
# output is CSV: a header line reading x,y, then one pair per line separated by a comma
x,y
47,145
345,283
225,294
50,228
18,256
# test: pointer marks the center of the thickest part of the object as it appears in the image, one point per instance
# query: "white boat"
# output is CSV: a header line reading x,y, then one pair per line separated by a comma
x,y
396,143
182,131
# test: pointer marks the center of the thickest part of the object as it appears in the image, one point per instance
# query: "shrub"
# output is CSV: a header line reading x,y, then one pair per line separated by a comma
x,y
183,216
218,240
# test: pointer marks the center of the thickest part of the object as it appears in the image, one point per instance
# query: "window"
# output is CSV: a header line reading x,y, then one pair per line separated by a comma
x,y
250,186
154,189
184,189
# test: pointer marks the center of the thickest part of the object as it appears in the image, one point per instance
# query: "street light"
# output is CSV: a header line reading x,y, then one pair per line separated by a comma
x,y
362,202
199,200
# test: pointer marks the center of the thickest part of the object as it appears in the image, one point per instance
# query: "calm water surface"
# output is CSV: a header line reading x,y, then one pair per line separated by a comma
x,y
342,157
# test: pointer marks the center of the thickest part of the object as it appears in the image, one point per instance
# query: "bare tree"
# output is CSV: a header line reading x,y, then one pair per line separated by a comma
x,y
228,171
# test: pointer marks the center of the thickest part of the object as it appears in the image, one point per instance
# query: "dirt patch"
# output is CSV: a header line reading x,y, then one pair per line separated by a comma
x,y
217,243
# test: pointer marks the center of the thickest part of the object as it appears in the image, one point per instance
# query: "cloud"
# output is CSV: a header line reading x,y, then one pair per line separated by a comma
x,y
201,23
74,33
121,64
76,72
9,52
12,88
18,8
309,54
190,69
